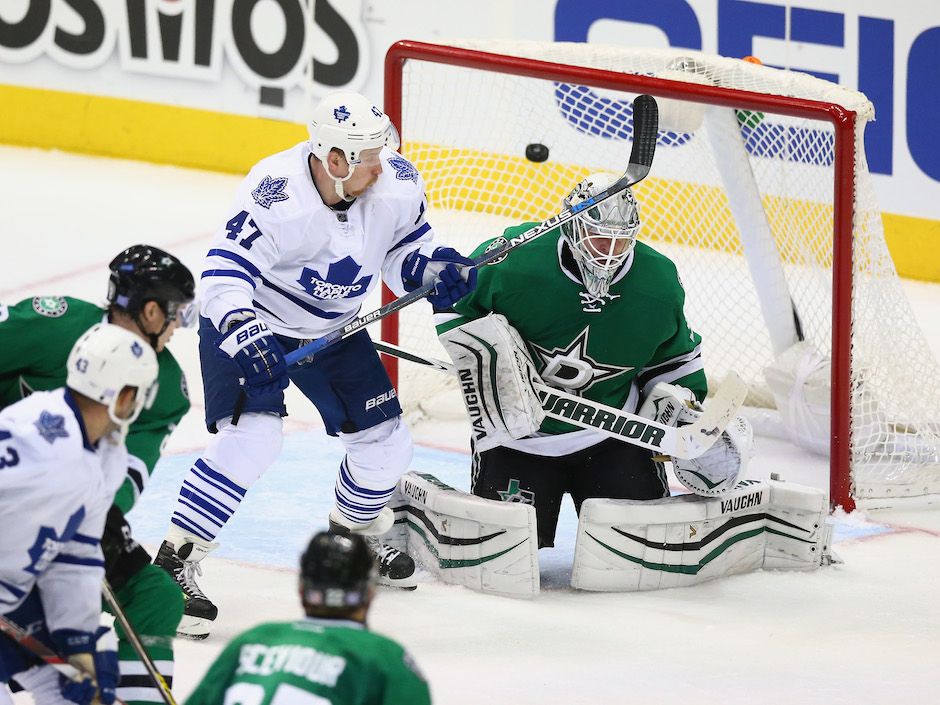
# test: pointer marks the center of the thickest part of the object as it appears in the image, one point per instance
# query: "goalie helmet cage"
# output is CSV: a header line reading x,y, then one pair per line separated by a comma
x,y
759,192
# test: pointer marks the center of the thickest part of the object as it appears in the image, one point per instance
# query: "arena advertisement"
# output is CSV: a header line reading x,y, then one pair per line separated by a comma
x,y
220,65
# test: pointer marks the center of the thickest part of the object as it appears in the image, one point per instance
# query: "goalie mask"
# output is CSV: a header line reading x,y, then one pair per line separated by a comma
x,y
601,238
350,123
108,358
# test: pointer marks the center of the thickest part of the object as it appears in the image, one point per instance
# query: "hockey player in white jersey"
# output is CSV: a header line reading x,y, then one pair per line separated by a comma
x,y
62,458
312,231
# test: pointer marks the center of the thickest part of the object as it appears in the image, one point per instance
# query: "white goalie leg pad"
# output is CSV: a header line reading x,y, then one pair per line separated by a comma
x,y
629,545
482,544
495,374
717,470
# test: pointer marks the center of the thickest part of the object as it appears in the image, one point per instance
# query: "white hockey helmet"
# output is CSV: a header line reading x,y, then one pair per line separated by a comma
x,y
108,358
601,237
351,123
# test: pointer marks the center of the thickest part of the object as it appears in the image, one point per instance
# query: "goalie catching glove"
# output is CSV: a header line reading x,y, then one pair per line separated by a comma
x,y
715,471
495,374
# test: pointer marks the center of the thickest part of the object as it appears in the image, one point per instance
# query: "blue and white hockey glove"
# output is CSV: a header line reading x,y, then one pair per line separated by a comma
x,y
453,275
92,653
258,354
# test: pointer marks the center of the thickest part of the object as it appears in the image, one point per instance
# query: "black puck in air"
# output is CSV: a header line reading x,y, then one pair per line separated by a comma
x,y
536,152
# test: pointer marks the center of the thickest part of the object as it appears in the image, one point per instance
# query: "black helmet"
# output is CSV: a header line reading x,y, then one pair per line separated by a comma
x,y
337,571
145,273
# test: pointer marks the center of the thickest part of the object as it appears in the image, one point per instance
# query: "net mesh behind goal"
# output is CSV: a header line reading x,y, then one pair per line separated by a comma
x,y
741,200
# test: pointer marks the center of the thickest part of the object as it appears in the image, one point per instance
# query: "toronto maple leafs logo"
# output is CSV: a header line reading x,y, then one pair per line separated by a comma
x,y
404,170
341,113
270,191
339,283
51,426
136,349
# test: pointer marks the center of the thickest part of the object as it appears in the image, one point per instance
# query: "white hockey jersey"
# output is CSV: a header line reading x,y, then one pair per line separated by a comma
x,y
303,267
55,492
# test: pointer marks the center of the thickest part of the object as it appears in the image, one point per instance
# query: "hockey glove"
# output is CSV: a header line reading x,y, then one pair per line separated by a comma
x,y
258,354
453,275
94,655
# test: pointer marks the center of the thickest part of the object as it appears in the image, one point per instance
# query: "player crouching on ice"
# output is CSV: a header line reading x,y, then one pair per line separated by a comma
x,y
328,657
562,341
62,458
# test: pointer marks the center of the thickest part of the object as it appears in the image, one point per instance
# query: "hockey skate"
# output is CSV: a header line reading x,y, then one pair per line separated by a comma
x,y
396,568
183,566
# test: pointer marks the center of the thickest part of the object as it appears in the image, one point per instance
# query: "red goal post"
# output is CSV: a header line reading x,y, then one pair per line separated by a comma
x,y
596,78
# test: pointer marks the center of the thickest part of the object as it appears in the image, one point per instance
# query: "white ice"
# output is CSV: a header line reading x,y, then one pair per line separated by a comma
x,y
867,631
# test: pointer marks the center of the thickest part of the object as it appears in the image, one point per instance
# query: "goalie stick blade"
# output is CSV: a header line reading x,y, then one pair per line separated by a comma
x,y
696,438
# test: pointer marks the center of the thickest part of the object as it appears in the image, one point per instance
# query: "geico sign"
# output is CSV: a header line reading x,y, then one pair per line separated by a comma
x,y
269,43
871,48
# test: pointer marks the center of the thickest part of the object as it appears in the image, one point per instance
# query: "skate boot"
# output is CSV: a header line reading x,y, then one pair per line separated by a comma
x,y
183,566
396,568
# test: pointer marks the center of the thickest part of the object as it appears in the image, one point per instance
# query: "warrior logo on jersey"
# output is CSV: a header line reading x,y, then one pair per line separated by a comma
x,y
50,306
270,191
51,426
571,368
514,493
404,170
339,283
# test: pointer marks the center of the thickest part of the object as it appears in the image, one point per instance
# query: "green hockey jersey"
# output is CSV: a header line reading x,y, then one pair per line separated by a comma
x,y
36,337
312,662
610,350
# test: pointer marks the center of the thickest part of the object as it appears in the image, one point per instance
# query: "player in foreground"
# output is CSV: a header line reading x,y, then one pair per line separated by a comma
x,y
311,232
591,311
62,460
328,657
150,293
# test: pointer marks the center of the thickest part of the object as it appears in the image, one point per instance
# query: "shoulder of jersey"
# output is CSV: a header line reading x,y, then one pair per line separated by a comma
x,y
399,179
279,187
651,257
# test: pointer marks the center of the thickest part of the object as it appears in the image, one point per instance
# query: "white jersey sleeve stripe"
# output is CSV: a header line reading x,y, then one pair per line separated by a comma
x,y
411,237
237,259
75,560
237,274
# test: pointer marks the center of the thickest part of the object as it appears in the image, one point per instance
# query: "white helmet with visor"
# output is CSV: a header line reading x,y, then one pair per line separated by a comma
x,y
352,124
601,237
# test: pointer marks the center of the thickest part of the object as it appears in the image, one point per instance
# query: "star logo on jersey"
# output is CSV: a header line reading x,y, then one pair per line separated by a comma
x,y
270,191
571,368
404,170
514,493
340,281
50,306
51,426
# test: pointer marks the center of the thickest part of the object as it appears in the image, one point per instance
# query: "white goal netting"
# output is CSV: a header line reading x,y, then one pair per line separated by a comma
x,y
742,201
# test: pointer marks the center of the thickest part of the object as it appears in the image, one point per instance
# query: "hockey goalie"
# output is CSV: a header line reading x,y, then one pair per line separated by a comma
x,y
597,318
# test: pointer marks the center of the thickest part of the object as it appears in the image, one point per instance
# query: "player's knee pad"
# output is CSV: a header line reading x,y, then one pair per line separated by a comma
x,y
153,602
243,452
378,456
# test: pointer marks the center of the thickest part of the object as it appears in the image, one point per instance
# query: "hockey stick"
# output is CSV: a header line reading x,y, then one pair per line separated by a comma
x,y
138,645
44,653
688,441
645,130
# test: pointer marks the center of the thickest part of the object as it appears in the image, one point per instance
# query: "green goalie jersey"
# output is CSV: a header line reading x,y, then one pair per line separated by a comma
x,y
315,662
36,337
606,349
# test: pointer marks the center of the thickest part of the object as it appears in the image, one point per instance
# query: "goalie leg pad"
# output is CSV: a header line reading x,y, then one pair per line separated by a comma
x,y
495,374
625,545
483,544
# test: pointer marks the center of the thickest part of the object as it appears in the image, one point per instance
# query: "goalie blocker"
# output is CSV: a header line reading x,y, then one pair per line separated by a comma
x,y
625,545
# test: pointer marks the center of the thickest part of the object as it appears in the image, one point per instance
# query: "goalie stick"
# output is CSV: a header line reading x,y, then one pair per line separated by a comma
x,y
138,645
688,441
645,131
38,649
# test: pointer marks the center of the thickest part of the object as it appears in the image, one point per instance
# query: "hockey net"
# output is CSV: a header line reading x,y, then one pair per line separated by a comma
x,y
746,201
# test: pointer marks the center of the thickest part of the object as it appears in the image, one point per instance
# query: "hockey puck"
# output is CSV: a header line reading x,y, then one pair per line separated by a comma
x,y
536,152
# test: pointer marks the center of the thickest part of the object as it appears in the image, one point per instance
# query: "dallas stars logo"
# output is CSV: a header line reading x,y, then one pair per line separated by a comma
x,y
571,368
514,494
